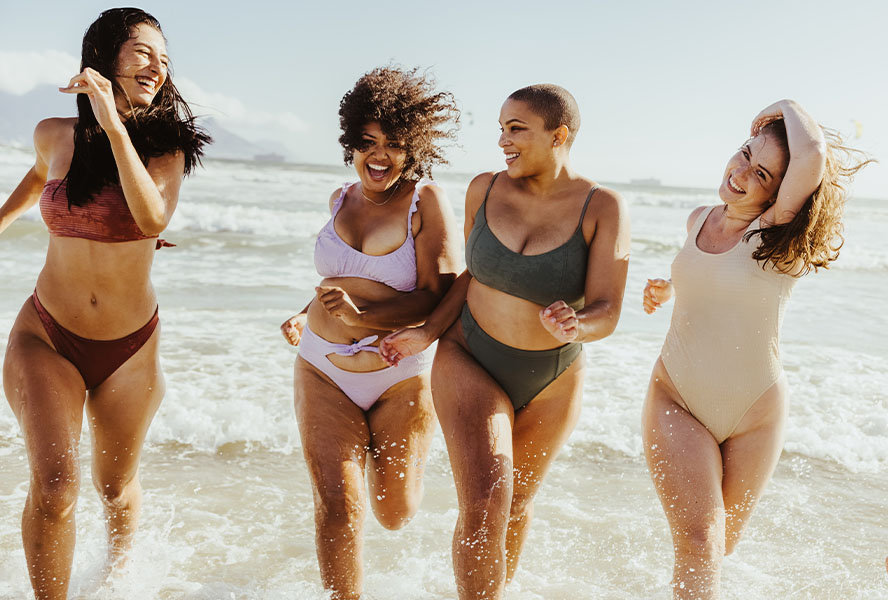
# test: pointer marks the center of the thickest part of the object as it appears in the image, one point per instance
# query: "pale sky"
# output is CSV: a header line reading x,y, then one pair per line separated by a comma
x,y
666,89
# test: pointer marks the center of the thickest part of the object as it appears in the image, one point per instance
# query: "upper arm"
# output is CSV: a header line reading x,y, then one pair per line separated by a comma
x,y
167,172
475,194
437,242
608,260
804,173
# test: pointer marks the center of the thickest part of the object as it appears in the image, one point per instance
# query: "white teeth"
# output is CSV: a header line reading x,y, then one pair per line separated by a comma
x,y
377,167
512,155
734,187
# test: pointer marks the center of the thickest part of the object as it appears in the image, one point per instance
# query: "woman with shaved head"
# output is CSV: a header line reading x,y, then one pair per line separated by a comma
x,y
547,253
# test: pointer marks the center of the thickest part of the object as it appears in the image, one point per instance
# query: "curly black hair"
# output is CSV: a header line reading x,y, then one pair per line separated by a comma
x,y
407,108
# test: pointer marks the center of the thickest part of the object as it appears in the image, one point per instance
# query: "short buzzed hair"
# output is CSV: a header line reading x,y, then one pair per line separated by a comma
x,y
554,104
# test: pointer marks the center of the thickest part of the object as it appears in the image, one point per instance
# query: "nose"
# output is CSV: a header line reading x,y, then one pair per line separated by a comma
x,y
502,140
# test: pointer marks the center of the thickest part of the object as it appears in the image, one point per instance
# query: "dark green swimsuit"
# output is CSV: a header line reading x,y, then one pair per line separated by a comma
x,y
558,274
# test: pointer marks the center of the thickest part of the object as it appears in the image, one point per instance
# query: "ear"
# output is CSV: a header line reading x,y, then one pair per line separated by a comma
x,y
560,135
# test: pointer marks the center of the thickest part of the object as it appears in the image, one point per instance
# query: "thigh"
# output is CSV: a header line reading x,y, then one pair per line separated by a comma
x,y
333,429
46,394
476,418
401,423
120,409
684,459
542,427
752,451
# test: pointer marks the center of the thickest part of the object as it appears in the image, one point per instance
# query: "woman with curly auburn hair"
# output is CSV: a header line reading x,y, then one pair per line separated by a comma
x,y
107,183
387,256
714,415
547,252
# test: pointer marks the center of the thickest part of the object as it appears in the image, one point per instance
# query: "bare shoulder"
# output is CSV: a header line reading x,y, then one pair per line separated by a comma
x,y
607,204
49,132
477,190
695,214
336,193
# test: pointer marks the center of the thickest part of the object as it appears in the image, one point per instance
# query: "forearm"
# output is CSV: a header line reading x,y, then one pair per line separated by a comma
x,y
142,196
449,308
597,321
25,195
406,310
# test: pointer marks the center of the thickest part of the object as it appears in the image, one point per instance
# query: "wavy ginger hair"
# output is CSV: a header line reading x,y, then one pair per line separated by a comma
x,y
813,238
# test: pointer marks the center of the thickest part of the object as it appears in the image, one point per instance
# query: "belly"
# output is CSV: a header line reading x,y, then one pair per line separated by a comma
x,y
508,319
332,329
96,290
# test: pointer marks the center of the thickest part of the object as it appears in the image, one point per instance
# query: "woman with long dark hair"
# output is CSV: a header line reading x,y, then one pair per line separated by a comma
x,y
716,405
386,257
107,182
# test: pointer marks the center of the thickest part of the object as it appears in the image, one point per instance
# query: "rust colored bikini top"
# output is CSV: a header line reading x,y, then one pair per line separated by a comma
x,y
106,218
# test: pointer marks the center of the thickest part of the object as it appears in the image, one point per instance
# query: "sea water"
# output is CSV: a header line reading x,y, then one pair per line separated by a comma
x,y
228,506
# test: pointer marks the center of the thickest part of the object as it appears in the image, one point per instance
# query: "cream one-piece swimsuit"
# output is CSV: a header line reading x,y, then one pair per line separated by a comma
x,y
722,351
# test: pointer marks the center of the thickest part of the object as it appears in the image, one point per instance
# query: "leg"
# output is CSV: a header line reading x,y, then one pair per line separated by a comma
x,y
46,394
541,429
402,423
335,439
476,418
120,410
750,456
686,467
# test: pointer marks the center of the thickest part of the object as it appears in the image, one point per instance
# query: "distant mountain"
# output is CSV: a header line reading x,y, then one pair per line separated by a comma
x,y
19,115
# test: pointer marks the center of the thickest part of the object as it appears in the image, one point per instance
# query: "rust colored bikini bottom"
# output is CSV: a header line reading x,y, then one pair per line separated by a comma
x,y
96,360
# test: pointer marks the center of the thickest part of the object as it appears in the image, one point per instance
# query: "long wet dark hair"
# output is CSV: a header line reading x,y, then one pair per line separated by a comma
x,y
164,126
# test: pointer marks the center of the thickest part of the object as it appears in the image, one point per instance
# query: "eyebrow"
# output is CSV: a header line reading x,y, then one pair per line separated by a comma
x,y
759,165
516,121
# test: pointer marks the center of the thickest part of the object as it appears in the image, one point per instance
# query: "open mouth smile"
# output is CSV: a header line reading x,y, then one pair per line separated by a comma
x,y
734,187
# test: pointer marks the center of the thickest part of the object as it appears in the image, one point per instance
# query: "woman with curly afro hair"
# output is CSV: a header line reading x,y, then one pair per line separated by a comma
x,y
386,257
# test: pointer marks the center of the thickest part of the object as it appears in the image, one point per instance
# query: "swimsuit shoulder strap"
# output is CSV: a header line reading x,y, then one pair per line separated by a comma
x,y
337,204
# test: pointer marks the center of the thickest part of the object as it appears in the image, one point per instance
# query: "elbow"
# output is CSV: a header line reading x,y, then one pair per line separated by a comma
x,y
153,225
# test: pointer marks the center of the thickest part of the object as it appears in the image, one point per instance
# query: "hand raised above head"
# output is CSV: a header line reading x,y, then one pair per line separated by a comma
x,y
561,321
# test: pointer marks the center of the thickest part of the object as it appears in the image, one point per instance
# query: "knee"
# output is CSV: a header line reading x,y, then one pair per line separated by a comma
x,y
55,495
118,495
486,510
339,506
521,509
395,513
704,539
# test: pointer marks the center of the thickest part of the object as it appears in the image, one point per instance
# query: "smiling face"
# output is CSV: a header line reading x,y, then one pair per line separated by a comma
x,y
525,141
753,175
379,161
141,67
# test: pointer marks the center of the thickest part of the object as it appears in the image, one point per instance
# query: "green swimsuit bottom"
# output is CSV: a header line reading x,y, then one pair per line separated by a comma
x,y
521,373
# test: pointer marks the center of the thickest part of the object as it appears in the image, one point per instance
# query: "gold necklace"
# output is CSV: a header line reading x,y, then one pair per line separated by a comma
x,y
386,201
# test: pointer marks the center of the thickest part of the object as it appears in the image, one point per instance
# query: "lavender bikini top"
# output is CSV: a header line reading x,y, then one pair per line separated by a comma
x,y
397,269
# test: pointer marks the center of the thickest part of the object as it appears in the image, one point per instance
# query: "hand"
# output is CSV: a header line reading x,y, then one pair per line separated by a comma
x,y
403,343
767,115
100,92
656,292
292,328
561,321
336,302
